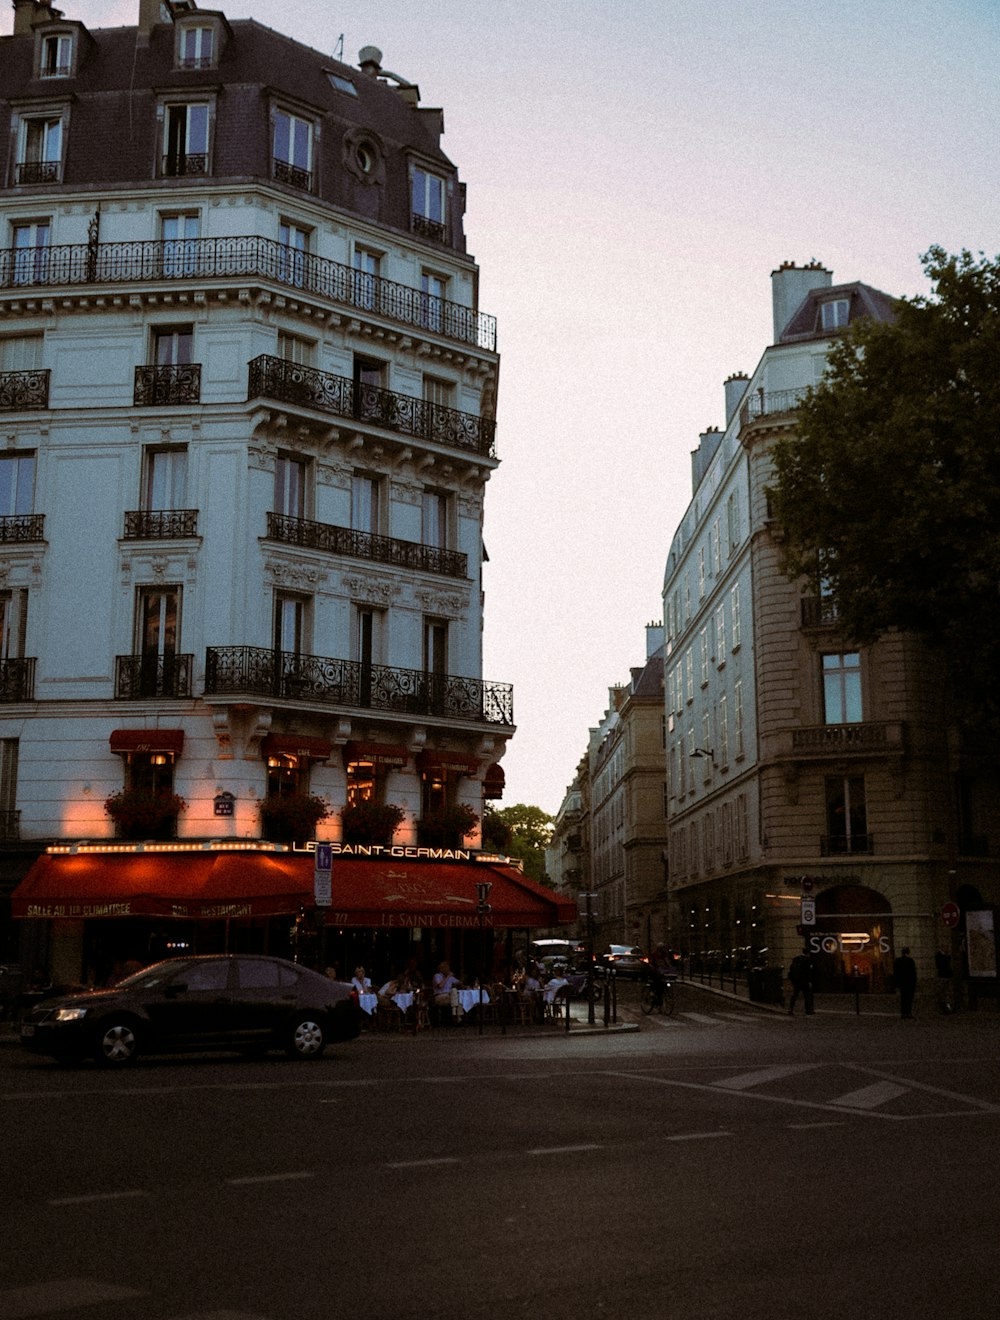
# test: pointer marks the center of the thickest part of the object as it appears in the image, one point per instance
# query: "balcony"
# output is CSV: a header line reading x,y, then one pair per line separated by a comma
x,y
366,545
428,228
294,175
157,386
160,524
842,845
258,672
181,163
760,405
845,739
144,676
24,391
288,382
17,680
21,528
38,171
243,257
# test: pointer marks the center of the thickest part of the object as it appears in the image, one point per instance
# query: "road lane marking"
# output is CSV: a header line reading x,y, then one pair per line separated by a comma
x,y
60,1295
697,1136
703,1018
95,1196
563,1150
271,1178
808,1127
762,1075
868,1097
422,1164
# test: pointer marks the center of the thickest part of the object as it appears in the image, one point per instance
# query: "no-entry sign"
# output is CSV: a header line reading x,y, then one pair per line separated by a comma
x,y
950,914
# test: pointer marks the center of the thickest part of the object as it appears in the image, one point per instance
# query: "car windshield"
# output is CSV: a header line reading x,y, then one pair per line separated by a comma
x,y
151,977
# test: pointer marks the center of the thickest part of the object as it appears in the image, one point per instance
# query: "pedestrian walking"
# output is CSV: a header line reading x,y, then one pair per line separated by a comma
x,y
904,973
800,973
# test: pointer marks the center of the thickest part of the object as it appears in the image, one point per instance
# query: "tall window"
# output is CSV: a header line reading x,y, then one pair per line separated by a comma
x,y
57,56
17,483
428,203
723,729
434,520
195,47
703,656
290,486
432,291
173,346
834,315
294,242
365,503
734,603
720,635
846,815
366,266
31,251
289,623
21,352
158,626
8,788
293,149
738,716
293,348
180,251
166,479
185,139
439,392
435,660
367,648
39,157
842,688
13,623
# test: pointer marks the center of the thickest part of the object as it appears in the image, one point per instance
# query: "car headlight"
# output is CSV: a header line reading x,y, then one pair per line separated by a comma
x,y
70,1014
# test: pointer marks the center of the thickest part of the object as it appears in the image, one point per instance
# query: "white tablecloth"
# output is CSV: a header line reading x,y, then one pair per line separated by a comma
x,y
403,1001
468,999
368,1003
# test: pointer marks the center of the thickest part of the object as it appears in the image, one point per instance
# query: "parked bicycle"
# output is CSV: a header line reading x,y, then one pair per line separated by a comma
x,y
657,994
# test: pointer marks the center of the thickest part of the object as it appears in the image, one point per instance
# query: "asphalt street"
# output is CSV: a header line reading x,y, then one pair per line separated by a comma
x,y
722,1162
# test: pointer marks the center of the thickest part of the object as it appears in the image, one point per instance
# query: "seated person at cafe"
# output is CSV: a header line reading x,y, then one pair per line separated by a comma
x,y
554,984
445,981
361,983
530,987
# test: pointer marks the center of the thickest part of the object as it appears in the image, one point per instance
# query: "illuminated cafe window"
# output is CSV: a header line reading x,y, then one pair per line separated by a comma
x,y
286,774
150,772
362,783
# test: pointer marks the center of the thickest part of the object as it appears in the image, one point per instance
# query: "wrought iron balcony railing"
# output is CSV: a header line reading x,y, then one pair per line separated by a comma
x,y
760,404
818,610
38,171
156,385
843,738
294,175
428,228
288,382
160,524
837,845
139,676
241,257
254,671
182,163
21,527
17,679
366,545
23,391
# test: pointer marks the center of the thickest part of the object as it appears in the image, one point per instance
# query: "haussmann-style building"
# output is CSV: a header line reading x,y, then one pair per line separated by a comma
x,y
248,404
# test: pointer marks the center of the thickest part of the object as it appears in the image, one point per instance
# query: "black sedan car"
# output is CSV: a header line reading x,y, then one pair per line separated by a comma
x,y
246,1002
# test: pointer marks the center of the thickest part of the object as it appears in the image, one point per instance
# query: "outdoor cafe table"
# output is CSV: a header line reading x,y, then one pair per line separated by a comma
x,y
368,1003
469,999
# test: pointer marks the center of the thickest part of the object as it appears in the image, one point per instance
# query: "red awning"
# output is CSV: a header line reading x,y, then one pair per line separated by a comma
x,y
376,753
296,744
493,782
442,895
158,884
453,761
383,892
148,740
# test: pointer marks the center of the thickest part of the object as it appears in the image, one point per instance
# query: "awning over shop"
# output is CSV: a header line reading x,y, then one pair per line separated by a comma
x,y
161,884
303,745
393,754
385,892
440,895
148,740
430,760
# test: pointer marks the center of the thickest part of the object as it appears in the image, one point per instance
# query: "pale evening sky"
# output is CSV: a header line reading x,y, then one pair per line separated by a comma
x,y
635,171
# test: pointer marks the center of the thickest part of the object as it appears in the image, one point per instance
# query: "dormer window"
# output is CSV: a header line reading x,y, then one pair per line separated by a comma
x,y
834,315
428,215
293,149
195,46
40,149
185,139
56,56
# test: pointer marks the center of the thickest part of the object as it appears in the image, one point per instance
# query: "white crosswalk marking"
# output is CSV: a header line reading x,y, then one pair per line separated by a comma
x,y
221,1315
60,1295
745,1080
703,1018
869,1097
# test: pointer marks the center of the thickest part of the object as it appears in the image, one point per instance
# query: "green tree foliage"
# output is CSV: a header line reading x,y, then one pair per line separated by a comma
x,y
890,492
520,831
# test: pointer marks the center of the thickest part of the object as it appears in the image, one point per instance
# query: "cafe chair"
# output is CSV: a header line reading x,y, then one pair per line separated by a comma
x,y
557,1007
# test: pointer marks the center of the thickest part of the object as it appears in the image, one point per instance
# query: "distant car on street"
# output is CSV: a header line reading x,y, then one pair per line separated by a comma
x,y
626,960
246,1002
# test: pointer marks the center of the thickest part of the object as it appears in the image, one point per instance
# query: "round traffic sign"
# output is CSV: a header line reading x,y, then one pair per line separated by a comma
x,y
950,914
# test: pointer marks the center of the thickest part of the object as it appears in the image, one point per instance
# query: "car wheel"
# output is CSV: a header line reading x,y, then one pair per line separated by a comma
x,y
306,1038
117,1043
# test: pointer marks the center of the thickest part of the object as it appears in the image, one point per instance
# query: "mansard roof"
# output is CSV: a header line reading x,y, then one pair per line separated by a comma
x,y
863,302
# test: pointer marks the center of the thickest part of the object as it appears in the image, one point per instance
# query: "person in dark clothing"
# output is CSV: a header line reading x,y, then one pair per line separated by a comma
x,y
904,972
800,973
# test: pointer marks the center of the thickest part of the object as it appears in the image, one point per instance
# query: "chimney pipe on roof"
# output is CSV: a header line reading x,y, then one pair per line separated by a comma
x,y
789,286
370,61
151,12
735,388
